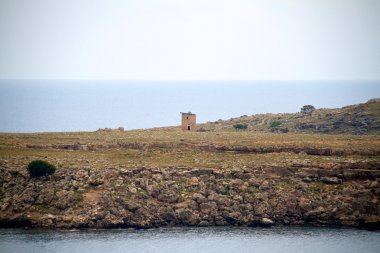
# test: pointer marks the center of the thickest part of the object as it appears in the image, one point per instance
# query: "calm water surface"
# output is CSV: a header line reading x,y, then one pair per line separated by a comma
x,y
191,240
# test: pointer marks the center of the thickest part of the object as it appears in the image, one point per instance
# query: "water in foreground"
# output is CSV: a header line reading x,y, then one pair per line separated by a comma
x,y
227,239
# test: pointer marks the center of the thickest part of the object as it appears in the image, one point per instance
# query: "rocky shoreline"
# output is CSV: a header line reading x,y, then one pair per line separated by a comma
x,y
344,194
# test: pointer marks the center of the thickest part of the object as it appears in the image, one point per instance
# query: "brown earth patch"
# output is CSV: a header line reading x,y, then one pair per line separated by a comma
x,y
92,196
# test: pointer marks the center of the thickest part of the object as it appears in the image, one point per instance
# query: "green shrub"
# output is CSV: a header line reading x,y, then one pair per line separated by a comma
x,y
38,168
275,124
307,109
240,126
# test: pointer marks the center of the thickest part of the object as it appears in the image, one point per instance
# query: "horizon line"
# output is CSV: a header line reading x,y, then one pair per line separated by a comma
x,y
188,80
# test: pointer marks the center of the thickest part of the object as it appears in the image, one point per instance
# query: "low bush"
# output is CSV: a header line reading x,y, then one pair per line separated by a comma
x,y
38,168
240,126
275,124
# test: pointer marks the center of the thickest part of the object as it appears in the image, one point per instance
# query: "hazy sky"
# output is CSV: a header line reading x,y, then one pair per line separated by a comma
x,y
190,39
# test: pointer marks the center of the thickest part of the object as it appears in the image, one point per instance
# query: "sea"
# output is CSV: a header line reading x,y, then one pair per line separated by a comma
x,y
192,240
86,105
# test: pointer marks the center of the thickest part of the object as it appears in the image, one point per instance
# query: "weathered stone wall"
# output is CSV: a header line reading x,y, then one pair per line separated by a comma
x,y
152,197
189,120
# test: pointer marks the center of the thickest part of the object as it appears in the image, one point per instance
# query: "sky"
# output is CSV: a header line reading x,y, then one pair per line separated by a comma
x,y
190,39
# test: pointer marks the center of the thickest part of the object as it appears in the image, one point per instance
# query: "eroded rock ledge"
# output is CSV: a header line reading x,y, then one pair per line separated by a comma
x,y
343,195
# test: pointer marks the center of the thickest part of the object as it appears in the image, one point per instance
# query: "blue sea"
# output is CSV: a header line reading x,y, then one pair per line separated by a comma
x,y
69,105
192,240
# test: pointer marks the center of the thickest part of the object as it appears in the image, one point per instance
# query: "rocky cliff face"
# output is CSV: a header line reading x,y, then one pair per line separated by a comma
x,y
336,195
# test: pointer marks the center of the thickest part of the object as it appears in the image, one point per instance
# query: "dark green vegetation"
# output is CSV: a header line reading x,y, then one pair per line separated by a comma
x,y
275,124
39,168
307,109
240,126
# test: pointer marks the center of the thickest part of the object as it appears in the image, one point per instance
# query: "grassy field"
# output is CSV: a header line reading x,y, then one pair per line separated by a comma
x,y
167,147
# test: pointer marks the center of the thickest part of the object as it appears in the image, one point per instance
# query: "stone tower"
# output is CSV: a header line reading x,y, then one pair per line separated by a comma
x,y
189,121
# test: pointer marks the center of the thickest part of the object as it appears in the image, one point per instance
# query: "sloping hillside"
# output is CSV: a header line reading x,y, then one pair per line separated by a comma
x,y
354,119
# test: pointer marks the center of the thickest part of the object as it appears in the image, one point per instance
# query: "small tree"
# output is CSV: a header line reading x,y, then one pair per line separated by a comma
x,y
38,168
307,109
240,126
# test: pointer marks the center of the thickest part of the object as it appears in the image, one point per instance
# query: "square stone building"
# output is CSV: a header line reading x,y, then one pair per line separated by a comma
x,y
189,121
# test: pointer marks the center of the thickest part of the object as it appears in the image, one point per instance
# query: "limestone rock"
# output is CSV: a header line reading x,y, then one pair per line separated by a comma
x,y
266,222
331,180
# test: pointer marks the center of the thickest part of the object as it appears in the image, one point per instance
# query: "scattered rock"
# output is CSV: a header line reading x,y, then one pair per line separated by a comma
x,y
64,199
96,180
145,197
266,222
331,180
314,213
307,179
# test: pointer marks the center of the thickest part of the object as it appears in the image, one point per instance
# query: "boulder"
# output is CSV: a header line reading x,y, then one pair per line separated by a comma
x,y
199,198
232,217
186,216
265,185
132,205
307,179
168,197
208,207
64,199
331,180
266,222
96,180
314,213
46,196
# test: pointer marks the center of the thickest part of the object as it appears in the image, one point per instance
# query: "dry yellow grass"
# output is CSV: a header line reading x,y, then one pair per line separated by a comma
x,y
166,147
